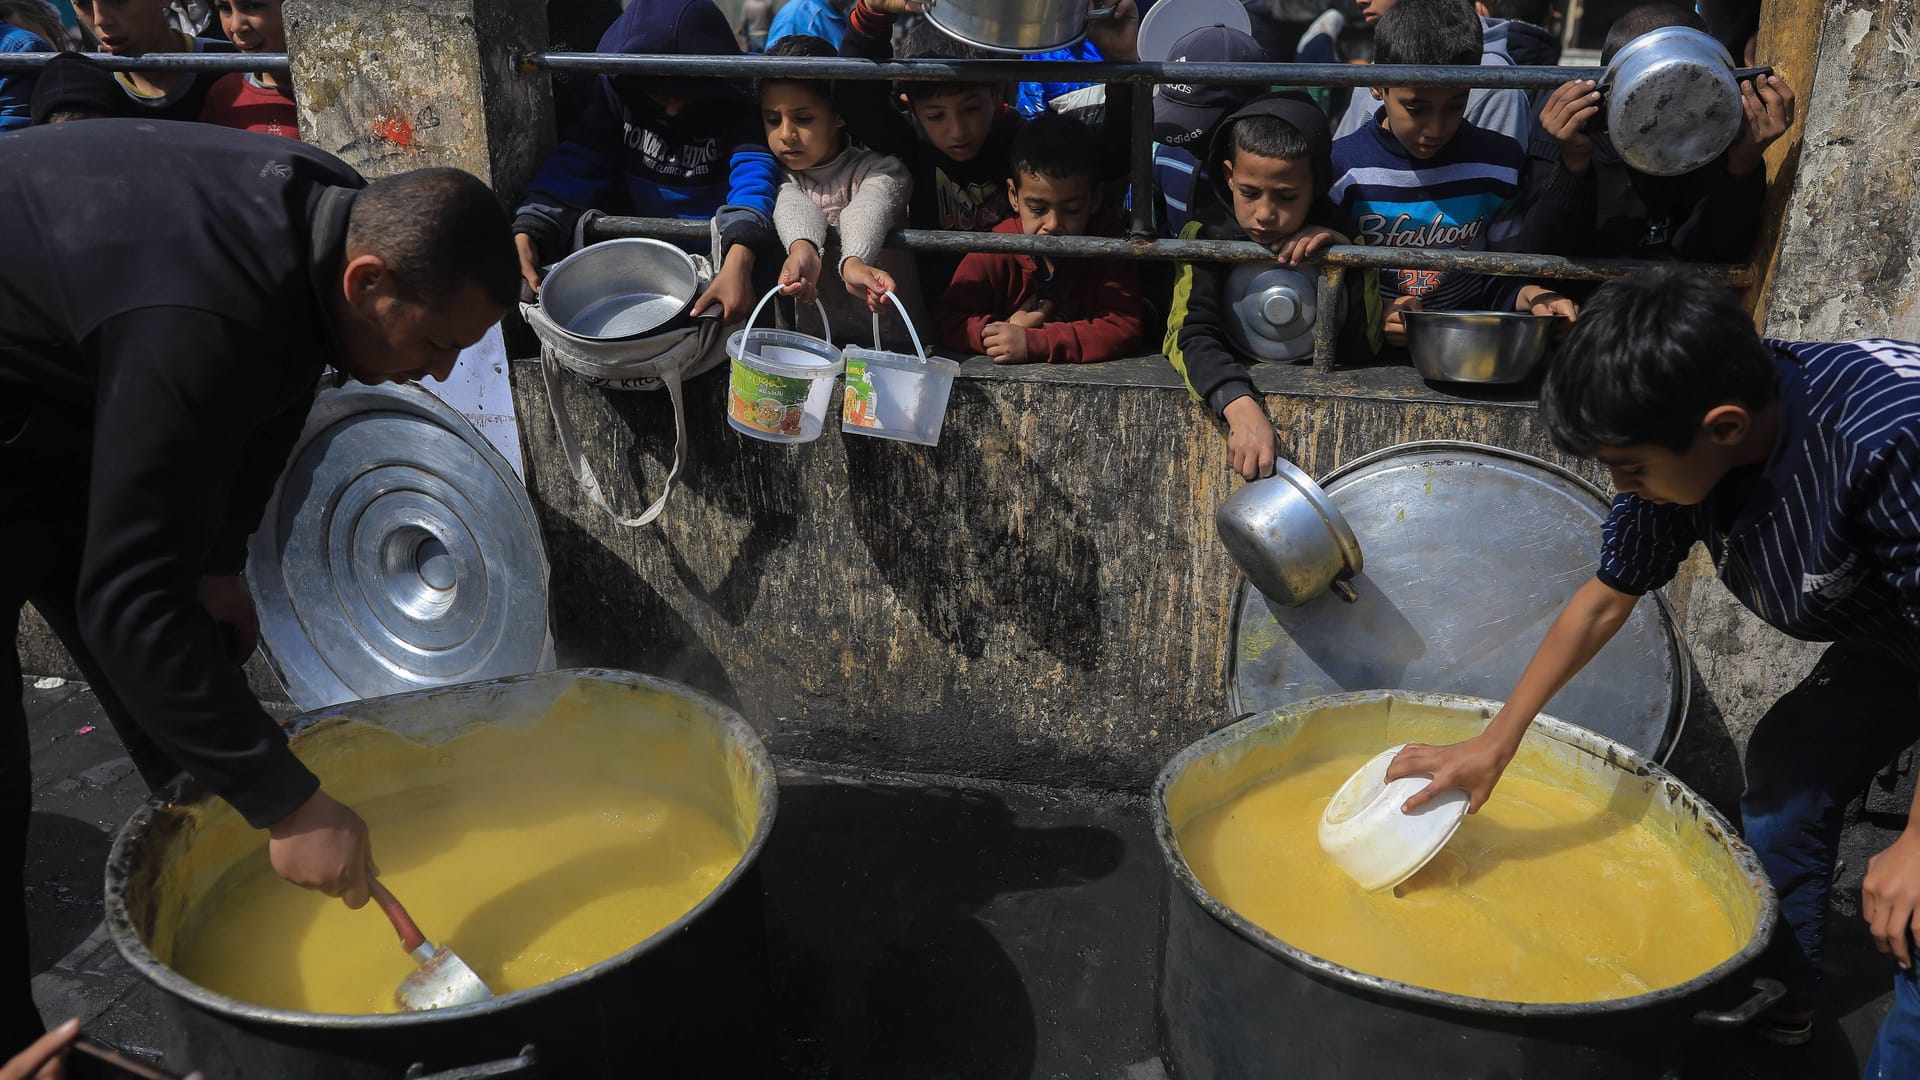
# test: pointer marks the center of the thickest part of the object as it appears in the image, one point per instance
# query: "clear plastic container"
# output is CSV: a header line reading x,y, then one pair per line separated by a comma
x,y
781,381
893,395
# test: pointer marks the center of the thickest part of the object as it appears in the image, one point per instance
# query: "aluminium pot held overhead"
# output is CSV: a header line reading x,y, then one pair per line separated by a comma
x,y
1236,1000
689,1000
1015,26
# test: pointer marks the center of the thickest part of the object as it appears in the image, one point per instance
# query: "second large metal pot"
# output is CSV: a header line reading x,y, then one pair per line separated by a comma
x,y
1015,26
690,1000
1235,1000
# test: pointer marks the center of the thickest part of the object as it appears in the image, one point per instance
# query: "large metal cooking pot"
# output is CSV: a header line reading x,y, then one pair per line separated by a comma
x,y
1288,538
1015,26
1234,1000
617,290
1672,102
688,1001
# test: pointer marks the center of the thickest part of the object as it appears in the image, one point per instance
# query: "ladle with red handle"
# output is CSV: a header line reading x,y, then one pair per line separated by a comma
x,y
443,979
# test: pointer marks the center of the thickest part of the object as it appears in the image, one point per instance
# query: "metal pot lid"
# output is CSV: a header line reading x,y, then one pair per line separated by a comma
x,y
1471,552
399,552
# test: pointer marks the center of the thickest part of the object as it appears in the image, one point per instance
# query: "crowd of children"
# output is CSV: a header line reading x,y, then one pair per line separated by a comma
x,y
73,87
803,200
804,178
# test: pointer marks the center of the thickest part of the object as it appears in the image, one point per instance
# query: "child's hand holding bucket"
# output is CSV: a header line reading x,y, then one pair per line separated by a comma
x,y
800,274
866,282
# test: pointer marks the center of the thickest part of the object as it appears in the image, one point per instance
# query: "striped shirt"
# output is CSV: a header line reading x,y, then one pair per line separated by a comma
x,y
1823,541
1457,199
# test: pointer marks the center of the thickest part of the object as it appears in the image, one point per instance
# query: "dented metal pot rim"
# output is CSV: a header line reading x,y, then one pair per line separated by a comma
x,y
133,835
1599,746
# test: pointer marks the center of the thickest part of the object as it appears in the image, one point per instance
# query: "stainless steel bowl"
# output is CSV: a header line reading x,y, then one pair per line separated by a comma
x,y
1288,538
1477,346
619,289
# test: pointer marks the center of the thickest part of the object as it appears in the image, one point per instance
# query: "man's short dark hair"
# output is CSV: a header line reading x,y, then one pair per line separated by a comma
x,y
1649,357
1428,32
925,41
438,230
1537,12
1054,146
802,45
1644,20
1270,136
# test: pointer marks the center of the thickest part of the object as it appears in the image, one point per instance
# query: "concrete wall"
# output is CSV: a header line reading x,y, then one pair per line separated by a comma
x,y
1042,597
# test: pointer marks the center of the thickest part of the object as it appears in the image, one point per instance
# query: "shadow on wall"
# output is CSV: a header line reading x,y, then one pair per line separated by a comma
x,y
741,481
623,623
975,535
912,983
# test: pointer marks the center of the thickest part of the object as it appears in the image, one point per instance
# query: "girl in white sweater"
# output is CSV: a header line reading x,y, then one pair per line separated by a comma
x,y
836,200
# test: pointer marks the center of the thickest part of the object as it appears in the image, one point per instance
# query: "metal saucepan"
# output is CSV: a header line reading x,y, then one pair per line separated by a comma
x,y
1673,104
1015,26
1288,538
619,289
1477,346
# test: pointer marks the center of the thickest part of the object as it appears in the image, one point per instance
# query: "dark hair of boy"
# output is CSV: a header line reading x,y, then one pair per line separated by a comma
x,y
802,45
925,41
1644,20
1269,136
1429,32
438,230
1649,357
1537,12
1055,146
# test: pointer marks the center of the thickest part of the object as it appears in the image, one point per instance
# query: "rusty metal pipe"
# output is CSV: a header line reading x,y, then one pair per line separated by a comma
x,y
272,63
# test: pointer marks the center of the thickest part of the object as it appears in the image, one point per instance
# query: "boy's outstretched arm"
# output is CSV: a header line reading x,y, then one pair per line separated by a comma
x,y
1592,616
867,104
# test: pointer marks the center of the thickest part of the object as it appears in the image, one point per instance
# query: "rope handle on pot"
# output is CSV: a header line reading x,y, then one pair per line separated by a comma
x,y
746,333
911,332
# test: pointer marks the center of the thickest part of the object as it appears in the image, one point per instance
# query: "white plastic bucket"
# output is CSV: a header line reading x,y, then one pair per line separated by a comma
x,y
781,381
895,396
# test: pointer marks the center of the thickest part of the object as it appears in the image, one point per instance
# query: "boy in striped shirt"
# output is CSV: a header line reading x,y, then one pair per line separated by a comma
x,y
1420,176
1798,465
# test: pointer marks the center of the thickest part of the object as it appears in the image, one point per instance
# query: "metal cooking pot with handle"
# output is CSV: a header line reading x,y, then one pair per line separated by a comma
x,y
1288,538
1234,998
1672,102
617,290
689,1000
1015,26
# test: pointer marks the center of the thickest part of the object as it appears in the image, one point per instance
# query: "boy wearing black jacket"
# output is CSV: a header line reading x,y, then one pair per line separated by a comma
x,y
1587,201
1270,165
957,138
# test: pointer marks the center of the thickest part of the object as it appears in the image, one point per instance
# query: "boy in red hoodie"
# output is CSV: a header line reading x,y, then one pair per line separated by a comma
x,y
1020,309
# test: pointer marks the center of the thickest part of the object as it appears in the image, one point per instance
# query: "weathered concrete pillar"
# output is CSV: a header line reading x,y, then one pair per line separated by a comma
x,y
1848,262
392,85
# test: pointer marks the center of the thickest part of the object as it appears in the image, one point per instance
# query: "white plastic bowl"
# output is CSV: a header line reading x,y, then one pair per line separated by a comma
x,y
1364,831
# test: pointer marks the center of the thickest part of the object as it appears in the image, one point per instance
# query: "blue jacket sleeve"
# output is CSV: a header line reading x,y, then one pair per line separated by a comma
x,y
577,175
753,180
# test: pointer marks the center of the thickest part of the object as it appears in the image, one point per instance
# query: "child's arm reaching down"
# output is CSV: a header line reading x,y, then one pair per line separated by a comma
x,y
802,226
878,204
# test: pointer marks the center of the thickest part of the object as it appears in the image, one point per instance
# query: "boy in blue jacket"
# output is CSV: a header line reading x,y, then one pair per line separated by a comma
x,y
657,147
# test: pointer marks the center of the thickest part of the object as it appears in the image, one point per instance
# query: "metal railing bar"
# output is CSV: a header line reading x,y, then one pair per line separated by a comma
x,y
271,63
1514,78
1350,256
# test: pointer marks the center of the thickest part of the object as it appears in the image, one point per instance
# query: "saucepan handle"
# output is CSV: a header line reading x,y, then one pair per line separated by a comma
x,y
1234,720
527,1064
1766,994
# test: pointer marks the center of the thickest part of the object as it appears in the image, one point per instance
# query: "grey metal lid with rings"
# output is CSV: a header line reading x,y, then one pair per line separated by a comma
x,y
399,552
1471,552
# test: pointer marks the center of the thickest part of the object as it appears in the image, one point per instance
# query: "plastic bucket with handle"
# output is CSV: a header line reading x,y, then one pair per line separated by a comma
x,y
781,381
895,396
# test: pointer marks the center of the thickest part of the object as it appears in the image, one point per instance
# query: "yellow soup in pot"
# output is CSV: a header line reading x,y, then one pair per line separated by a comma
x,y
1546,895
532,854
